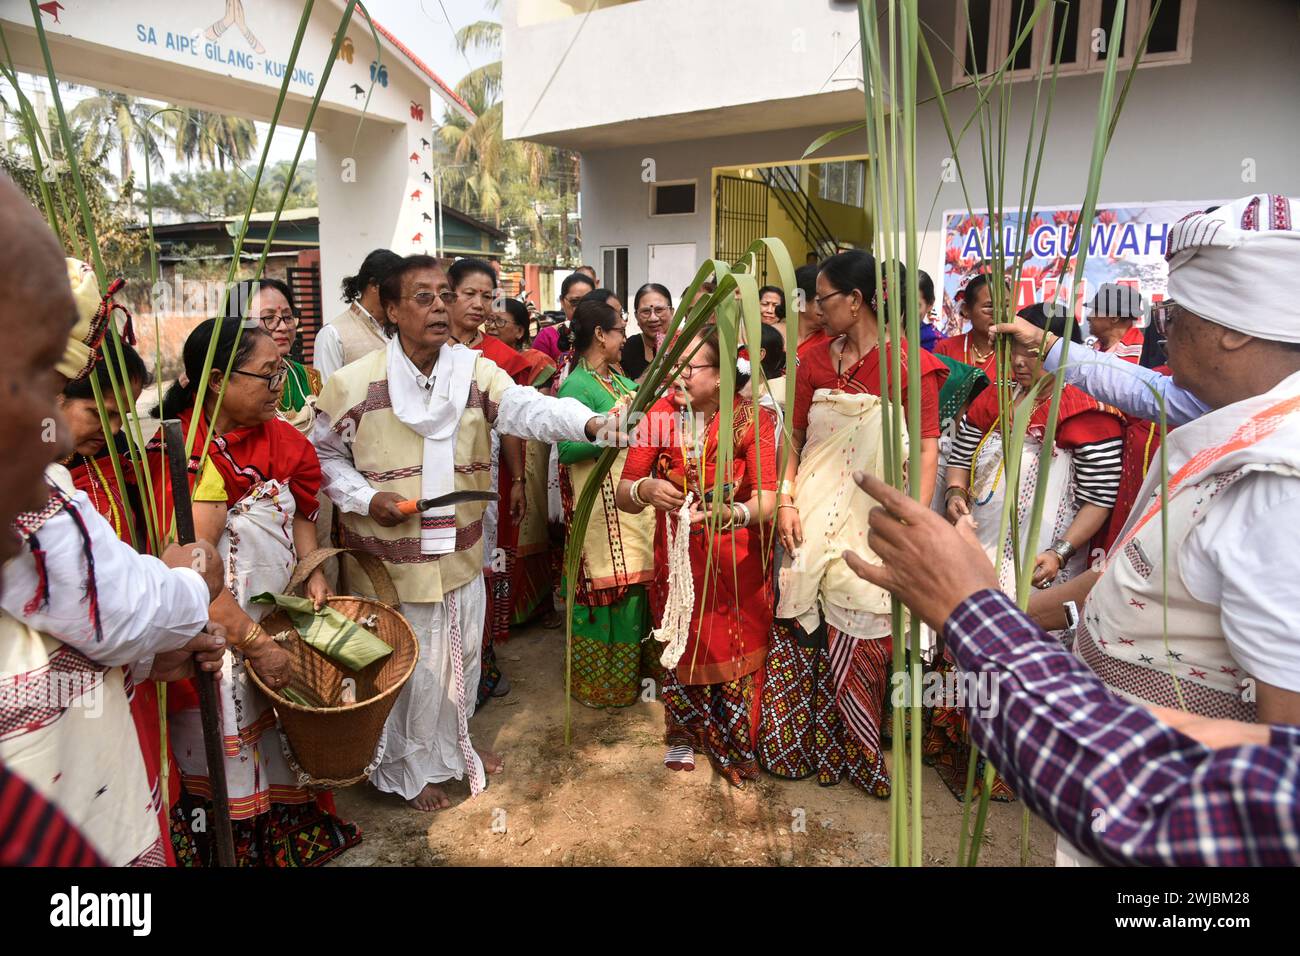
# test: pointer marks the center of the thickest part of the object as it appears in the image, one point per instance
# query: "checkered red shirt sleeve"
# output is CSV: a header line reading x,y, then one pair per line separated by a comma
x,y
1117,783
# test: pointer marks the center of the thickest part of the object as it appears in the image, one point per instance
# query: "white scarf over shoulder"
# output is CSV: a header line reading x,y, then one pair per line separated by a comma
x,y
435,415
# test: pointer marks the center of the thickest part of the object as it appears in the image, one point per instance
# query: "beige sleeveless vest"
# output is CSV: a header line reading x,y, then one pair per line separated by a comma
x,y
358,334
390,457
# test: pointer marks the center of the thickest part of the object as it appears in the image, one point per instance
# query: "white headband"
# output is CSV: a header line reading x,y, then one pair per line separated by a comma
x,y
1239,266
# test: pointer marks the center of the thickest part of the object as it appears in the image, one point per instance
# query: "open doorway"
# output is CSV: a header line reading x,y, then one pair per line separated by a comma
x,y
815,207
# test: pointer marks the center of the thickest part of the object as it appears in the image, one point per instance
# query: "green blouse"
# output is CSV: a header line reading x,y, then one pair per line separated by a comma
x,y
597,395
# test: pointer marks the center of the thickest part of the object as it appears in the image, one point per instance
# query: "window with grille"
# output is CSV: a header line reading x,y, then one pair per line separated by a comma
x,y
842,182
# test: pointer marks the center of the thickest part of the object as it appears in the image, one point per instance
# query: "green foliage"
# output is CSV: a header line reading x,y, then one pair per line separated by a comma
x,y
110,120
123,247
213,139
220,193
527,189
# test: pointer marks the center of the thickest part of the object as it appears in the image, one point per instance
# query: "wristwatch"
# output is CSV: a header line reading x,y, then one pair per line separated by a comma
x,y
1063,549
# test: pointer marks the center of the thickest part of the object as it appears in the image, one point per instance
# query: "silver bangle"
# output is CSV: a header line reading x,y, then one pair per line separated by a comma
x,y
636,492
1063,549
744,515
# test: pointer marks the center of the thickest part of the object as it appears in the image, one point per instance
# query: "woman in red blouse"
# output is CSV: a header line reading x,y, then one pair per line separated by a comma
x,y
828,662
711,690
974,347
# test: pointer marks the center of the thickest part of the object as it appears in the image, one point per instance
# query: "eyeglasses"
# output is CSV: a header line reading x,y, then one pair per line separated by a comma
x,y
274,381
1163,315
572,300
688,371
620,329
821,299
425,299
273,320
658,311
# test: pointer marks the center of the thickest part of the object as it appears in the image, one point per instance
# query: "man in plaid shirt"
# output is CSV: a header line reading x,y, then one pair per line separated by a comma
x,y
1128,785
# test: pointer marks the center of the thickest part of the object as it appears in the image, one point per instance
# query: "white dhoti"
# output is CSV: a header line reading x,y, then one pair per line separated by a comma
x,y
426,738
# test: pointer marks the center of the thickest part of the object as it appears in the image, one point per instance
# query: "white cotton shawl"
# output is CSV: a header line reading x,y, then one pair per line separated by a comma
x,y
435,415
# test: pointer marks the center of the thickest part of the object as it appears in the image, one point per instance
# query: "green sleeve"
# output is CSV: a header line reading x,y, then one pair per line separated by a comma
x,y
578,385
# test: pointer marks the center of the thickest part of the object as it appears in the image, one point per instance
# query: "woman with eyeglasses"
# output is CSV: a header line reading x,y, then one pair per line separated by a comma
x,y
474,283
610,610
715,645
532,579
269,302
828,664
653,307
255,497
572,289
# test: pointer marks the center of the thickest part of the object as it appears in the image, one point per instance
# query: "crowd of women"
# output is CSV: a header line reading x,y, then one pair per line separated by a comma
x,y
711,564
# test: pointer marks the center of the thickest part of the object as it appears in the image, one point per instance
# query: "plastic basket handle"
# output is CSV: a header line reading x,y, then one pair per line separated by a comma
x,y
379,577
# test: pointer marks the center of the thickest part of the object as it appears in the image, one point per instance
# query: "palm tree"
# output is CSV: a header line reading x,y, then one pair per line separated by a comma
x,y
112,120
212,138
488,163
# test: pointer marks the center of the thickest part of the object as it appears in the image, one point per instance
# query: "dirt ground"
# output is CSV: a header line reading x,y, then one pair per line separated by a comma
x,y
608,799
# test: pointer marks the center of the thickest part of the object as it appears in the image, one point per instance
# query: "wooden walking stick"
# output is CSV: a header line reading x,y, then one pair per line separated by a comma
x,y
174,441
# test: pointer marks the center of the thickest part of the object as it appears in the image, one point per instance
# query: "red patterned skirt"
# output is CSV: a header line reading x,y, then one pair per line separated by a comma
x,y
822,706
717,720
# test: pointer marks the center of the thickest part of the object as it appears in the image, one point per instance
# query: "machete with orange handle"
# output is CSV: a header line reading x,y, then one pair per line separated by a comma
x,y
412,506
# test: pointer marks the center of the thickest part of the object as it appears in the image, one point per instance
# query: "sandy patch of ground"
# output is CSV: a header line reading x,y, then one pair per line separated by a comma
x,y
608,800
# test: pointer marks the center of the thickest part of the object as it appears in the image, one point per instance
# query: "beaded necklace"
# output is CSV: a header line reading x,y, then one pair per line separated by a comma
x,y
114,514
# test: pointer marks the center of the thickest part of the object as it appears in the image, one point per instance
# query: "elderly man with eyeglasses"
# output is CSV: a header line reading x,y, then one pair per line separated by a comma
x,y
1206,624
409,423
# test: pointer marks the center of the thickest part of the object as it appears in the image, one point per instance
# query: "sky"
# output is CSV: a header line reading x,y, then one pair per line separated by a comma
x,y
423,26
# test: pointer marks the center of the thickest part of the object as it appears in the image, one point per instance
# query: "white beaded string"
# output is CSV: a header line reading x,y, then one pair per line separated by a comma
x,y
680,601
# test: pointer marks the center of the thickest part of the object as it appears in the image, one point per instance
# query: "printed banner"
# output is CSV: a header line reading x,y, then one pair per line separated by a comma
x,y
1127,246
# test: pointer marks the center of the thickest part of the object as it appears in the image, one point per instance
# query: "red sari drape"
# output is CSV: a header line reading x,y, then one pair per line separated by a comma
x,y
733,597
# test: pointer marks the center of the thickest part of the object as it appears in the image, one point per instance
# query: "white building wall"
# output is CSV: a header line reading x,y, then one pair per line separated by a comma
x,y
669,57
1185,132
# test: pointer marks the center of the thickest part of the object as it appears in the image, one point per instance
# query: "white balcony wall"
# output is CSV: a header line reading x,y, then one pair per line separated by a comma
x,y
679,68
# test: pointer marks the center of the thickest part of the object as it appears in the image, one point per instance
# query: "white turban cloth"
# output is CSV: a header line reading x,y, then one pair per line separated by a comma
x,y
1239,266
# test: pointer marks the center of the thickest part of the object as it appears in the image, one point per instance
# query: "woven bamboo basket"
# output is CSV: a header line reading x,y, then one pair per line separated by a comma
x,y
334,742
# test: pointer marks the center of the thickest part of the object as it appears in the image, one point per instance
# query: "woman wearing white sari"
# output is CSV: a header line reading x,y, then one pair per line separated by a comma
x,y
828,661
1082,479
256,496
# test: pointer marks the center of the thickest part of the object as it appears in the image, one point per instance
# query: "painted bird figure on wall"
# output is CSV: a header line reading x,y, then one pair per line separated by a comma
x,y
357,90
426,217
52,9
424,143
427,177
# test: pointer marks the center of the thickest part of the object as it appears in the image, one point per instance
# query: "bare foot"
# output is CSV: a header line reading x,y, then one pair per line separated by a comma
x,y
431,798
492,763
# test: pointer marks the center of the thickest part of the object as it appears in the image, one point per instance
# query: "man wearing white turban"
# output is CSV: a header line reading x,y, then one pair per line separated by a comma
x,y
1226,591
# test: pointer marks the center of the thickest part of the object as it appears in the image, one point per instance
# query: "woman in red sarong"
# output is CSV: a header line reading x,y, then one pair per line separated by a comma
x,y
475,283
531,578
711,694
92,472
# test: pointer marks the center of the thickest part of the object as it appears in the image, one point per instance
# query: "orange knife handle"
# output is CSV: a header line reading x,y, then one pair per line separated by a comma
x,y
408,507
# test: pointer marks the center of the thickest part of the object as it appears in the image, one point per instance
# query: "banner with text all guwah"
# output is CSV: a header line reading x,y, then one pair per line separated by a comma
x,y
1127,246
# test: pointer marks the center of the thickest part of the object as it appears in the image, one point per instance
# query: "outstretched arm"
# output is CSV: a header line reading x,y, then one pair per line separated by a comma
x,y
1110,379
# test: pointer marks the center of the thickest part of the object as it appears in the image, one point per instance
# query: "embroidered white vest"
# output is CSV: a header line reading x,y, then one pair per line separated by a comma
x,y
1122,631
